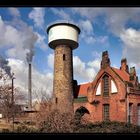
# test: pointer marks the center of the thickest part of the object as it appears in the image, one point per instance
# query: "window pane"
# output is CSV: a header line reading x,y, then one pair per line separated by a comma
x,y
106,85
106,112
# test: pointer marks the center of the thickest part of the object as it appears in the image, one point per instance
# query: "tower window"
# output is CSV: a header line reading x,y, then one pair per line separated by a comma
x,y
106,85
64,57
56,100
106,112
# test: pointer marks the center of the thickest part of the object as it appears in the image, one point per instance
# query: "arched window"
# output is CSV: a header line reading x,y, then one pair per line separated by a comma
x,y
106,85
98,91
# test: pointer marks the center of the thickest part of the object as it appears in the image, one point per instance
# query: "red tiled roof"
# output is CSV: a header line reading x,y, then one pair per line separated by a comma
x,y
82,89
124,75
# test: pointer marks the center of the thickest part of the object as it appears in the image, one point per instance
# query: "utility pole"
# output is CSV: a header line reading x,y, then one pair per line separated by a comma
x,y
13,109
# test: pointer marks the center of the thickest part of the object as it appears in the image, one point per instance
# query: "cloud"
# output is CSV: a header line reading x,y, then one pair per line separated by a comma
x,y
86,25
94,64
89,13
88,35
16,39
61,13
87,31
130,38
41,41
40,82
116,21
85,71
14,12
114,18
37,15
51,61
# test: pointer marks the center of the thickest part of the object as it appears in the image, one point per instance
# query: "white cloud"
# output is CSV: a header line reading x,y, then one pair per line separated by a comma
x,y
131,37
89,13
61,13
102,39
51,61
40,82
87,31
41,41
94,64
85,71
89,39
37,15
88,36
131,49
14,12
86,25
17,40
115,18
96,54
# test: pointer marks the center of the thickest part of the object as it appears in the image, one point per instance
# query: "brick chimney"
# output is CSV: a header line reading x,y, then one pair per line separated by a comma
x,y
105,60
134,77
132,74
124,66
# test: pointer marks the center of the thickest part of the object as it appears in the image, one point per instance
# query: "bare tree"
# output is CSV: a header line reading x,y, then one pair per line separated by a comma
x,y
43,103
7,104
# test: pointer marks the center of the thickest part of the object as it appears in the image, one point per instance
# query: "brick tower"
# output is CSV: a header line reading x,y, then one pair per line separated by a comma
x,y
63,38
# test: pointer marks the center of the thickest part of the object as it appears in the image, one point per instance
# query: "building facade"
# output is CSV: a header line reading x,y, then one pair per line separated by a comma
x,y
113,95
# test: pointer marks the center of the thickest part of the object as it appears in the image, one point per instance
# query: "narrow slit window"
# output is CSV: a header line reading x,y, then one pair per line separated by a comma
x,y
56,100
64,57
106,86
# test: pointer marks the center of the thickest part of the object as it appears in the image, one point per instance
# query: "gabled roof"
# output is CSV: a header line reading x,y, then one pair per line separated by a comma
x,y
81,90
123,75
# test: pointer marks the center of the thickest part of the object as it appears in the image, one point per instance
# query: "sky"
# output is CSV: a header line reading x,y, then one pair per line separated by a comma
x,y
23,39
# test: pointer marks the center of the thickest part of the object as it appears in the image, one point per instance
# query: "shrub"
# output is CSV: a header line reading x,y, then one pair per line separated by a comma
x,y
5,131
57,122
24,128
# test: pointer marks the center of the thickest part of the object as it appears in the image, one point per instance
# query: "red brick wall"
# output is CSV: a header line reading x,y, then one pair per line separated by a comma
x,y
116,101
135,99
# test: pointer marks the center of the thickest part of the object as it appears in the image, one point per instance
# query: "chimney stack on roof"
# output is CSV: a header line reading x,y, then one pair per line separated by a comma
x,y
132,73
124,66
105,60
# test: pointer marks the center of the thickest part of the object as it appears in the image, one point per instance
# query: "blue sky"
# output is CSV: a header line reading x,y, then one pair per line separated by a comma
x,y
114,29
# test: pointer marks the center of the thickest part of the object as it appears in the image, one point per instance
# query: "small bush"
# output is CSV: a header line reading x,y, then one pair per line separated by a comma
x,y
24,128
57,123
5,131
108,127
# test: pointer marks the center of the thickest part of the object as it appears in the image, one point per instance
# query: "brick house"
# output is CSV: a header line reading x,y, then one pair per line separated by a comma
x,y
113,95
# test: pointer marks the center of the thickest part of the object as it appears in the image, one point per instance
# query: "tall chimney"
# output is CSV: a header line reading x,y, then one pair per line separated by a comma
x,y
29,87
105,60
124,66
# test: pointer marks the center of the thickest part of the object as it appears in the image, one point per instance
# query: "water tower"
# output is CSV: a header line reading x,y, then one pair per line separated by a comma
x,y
63,38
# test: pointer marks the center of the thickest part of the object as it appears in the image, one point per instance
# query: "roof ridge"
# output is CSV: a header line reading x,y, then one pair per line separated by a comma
x,y
124,72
